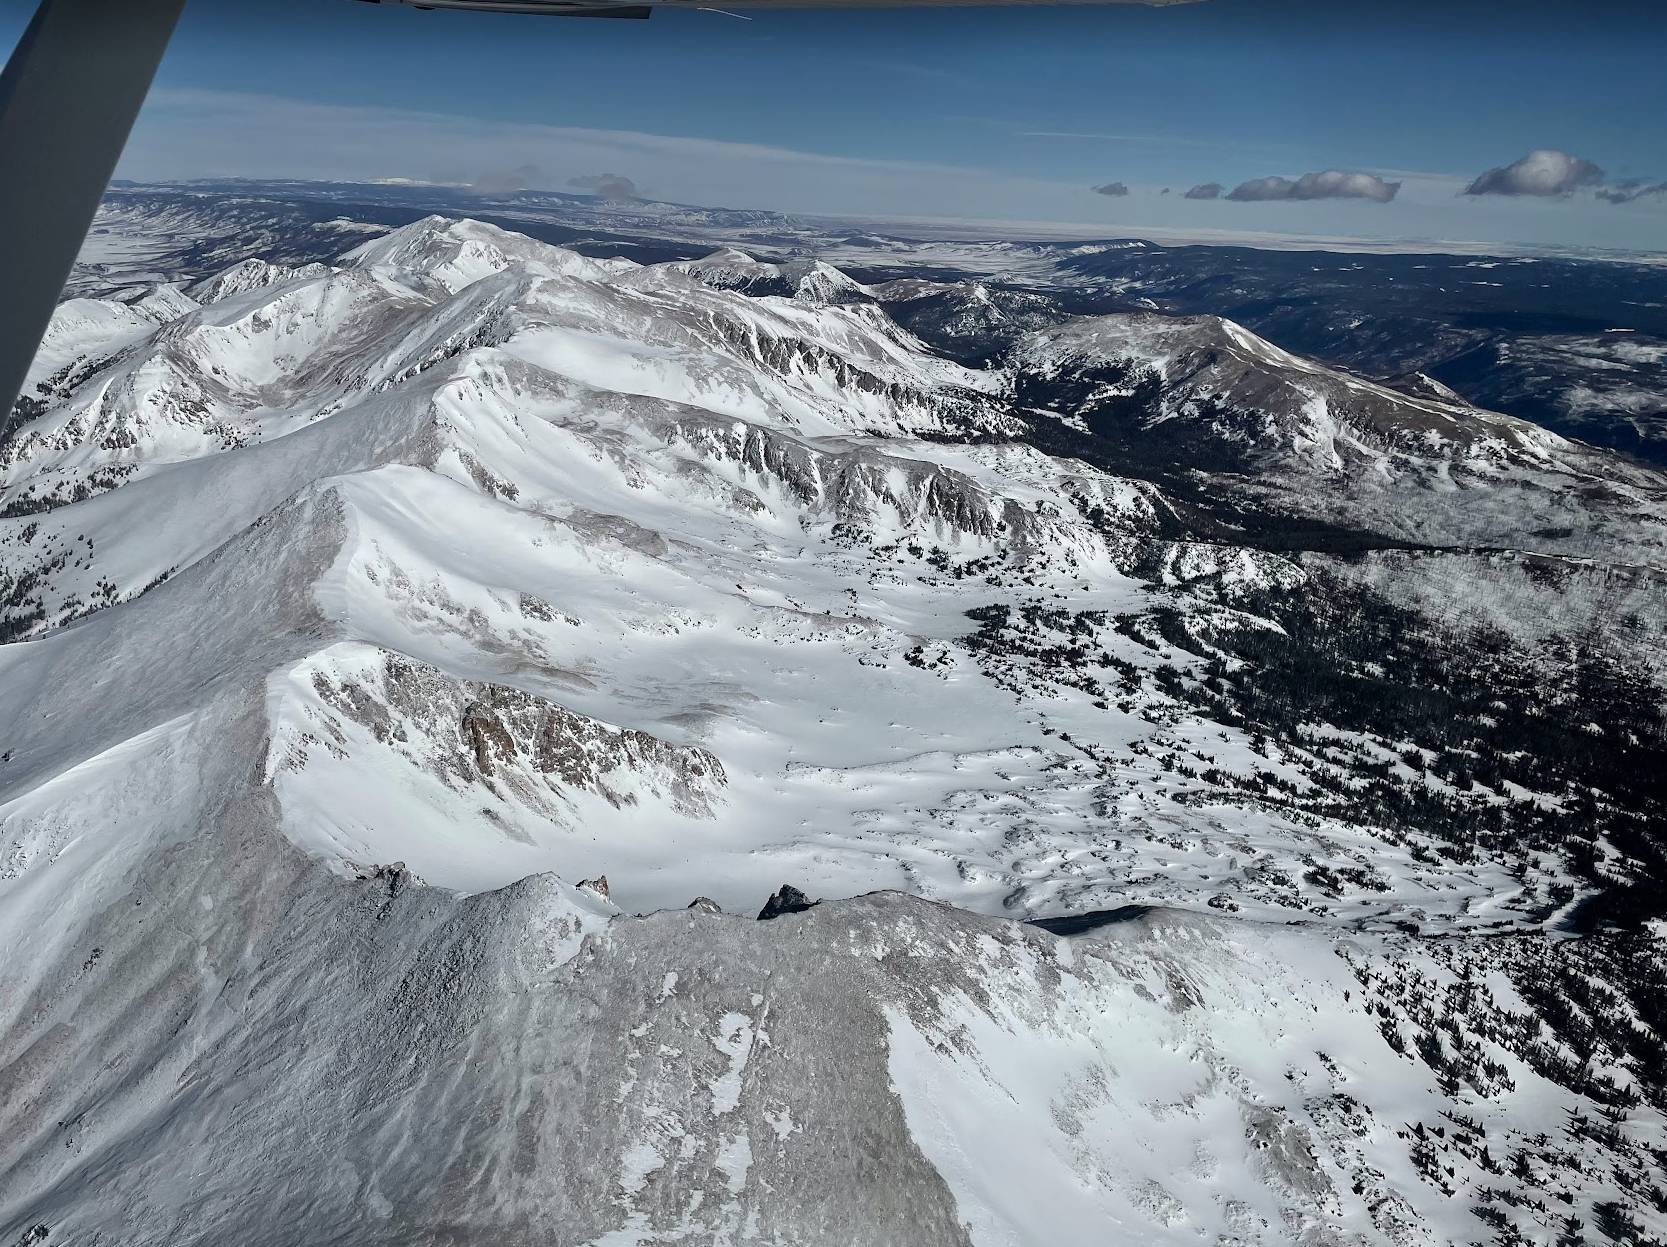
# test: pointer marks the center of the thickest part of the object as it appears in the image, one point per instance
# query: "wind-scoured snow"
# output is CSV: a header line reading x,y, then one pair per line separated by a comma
x,y
358,611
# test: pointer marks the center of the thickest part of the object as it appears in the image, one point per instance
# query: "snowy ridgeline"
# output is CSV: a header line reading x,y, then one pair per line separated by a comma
x,y
354,608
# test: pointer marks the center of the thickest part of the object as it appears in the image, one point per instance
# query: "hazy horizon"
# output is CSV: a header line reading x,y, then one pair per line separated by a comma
x,y
1257,118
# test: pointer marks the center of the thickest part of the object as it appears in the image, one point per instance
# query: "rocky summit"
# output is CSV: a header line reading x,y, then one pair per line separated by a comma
x,y
1197,795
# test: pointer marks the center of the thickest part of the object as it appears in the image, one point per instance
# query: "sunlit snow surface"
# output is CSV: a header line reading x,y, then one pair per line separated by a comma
x,y
468,560
677,511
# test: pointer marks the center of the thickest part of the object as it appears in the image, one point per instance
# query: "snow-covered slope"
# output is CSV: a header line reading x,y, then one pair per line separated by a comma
x,y
363,617
1204,393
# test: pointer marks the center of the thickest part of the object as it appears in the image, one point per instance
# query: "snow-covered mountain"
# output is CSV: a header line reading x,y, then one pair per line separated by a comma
x,y
1234,785
1201,393
1570,341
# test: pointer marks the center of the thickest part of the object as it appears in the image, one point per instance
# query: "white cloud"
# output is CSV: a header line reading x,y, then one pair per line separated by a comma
x,y
1545,172
1332,184
196,134
1631,189
606,185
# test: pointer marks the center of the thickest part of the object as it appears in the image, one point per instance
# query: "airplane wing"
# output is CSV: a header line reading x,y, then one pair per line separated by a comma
x,y
638,8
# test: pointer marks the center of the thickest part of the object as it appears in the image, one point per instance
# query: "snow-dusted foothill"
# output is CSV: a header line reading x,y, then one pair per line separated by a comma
x,y
1196,795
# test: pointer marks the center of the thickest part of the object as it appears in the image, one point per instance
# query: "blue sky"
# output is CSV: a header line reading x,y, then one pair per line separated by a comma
x,y
1000,114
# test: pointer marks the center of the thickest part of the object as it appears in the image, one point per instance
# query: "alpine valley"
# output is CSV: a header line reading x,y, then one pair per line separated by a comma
x,y
1202,787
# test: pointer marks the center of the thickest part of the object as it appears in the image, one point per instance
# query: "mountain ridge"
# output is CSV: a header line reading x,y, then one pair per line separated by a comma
x,y
491,567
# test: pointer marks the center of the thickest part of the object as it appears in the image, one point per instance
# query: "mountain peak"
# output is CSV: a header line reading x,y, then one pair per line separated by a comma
x,y
443,255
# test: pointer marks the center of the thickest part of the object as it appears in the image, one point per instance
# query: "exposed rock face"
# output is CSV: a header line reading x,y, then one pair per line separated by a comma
x,y
504,737
787,900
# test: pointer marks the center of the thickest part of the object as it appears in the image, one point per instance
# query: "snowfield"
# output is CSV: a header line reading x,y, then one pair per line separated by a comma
x,y
363,616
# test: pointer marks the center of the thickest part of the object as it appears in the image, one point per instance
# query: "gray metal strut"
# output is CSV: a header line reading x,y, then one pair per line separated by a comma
x,y
68,99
